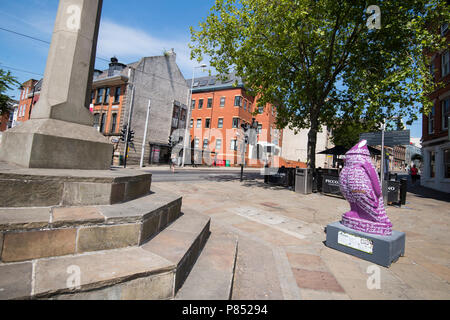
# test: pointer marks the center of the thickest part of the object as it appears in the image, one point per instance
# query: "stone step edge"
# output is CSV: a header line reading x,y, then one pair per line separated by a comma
x,y
86,238
187,292
183,265
97,214
178,267
168,267
190,242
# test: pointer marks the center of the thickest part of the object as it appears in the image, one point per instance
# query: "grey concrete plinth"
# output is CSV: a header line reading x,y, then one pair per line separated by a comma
x,y
49,143
382,250
52,187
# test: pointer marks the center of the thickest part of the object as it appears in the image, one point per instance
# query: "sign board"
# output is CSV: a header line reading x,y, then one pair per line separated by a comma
x,y
355,242
391,138
330,184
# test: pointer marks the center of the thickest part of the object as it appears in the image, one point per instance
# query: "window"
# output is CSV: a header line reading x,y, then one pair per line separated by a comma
x,y
222,102
250,107
102,122
100,93
431,121
192,123
196,142
237,101
259,130
260,109
205,143
200,104
193,104
176,112
209,103
446,163
432,164
235,122
183,114
199,123
96,120
219,145
445,113
117,95
245,104
220,123
445,63
113,122
444,29
432,70
106,96
207,123
233,145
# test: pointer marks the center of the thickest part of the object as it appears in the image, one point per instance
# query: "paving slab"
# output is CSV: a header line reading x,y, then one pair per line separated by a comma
x,y
76,216
24,218
15,280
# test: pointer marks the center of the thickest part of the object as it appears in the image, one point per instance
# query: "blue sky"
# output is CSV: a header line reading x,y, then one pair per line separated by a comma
x,y
129,30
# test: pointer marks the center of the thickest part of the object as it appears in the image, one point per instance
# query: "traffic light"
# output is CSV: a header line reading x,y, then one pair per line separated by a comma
x,y
170,143
123,133
131,136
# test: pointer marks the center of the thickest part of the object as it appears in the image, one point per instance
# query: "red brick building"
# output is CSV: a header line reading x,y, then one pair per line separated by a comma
x,y
29,96
218,108
435,126
6,118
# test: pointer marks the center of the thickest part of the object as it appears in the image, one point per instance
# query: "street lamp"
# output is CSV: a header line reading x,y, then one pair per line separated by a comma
x,y
188,118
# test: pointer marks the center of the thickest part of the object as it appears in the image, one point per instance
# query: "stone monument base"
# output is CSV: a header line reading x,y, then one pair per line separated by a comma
x,y
382,250
56,144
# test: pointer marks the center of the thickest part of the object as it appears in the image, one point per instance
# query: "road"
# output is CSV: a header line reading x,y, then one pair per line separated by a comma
x,y
163,175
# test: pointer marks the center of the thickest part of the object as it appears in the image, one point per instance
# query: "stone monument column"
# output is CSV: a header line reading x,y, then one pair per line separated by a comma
x,y
60,133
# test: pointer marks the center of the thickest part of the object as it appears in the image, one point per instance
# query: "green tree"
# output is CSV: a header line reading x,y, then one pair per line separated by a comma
x,y
7,82
316,60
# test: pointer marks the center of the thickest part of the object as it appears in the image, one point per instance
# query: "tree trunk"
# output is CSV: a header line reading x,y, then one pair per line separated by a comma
x,y
312,140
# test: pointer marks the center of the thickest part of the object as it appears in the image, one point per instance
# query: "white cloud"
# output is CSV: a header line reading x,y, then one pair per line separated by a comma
x,y
129,44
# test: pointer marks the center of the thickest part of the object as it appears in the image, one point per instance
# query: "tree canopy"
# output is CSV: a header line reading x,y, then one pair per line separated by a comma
x,y
7,81
318,60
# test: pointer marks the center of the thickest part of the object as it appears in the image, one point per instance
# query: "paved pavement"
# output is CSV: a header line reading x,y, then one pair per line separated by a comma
x,y
164,173
281,254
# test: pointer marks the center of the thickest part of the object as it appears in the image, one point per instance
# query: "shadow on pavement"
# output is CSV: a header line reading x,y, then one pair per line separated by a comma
x,y
249,180
424,192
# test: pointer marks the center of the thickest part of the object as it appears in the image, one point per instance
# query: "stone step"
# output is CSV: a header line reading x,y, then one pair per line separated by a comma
x,y
154,270
181,243
33,233
129,273
212,276
61,187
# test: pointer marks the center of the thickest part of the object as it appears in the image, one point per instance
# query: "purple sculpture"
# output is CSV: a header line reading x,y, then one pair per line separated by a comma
x,y
360,185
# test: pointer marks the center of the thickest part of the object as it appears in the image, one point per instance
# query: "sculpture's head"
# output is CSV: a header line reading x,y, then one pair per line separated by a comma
x,y
360,149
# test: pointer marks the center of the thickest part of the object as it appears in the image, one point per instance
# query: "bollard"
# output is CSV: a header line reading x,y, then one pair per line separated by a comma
x,y
403,185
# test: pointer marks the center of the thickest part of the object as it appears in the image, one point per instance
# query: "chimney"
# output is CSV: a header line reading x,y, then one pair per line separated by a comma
x,y
115,67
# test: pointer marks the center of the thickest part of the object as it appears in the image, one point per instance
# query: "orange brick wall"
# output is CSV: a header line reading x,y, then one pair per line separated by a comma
x,y
27,88
110,107
227,113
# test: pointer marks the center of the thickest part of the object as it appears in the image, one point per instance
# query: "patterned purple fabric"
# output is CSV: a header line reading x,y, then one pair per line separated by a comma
x,y
360,185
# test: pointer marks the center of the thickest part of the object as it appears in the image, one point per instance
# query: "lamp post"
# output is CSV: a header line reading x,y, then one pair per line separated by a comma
x,y
188,118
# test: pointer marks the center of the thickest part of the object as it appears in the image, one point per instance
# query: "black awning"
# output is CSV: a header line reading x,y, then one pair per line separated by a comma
x,y
341,150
